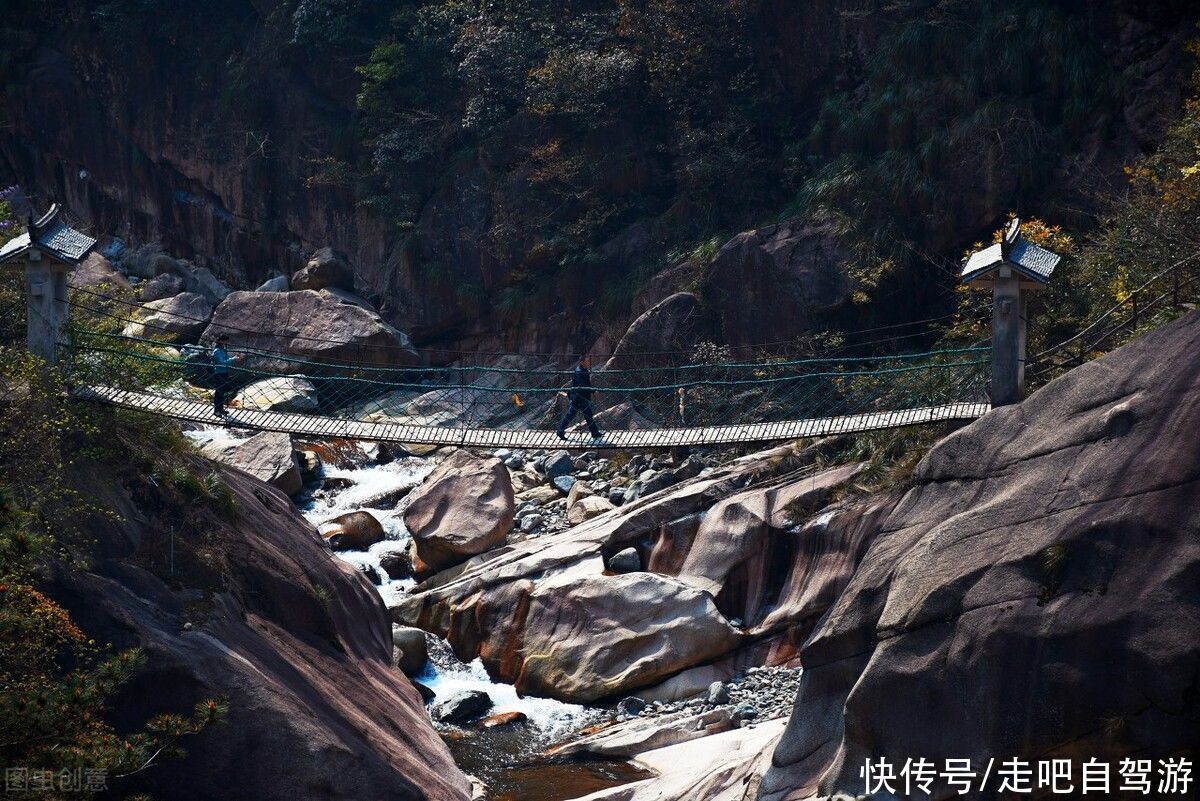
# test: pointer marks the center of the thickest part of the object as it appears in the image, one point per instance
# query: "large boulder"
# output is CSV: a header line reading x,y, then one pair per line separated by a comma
x,y
485,400
288,393
463,707
594,636
97,272
625,561
308,325
279,283
181,318
326,268
397,564
1044,569
353,531
588,507
411,650
557,463
202,281
159,287
463,508
259,612
268,456
773,283
745,536
786,584
147,261
677,323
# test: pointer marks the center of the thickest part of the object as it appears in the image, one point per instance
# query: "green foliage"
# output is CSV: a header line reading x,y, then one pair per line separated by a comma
x,y
616,111
890,456
1138,270
10,226
1142,267
1054,560
956,98
577,119
336,25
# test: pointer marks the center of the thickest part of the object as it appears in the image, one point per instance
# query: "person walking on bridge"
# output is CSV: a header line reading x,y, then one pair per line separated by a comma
x,y
222,383
580,397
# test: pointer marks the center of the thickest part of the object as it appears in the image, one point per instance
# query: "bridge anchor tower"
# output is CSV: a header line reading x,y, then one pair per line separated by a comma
x,y
47,251
1010,268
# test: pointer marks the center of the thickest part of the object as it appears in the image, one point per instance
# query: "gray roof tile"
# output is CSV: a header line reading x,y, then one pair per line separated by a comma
x,y
1027,258
53,236
64,241
1033,259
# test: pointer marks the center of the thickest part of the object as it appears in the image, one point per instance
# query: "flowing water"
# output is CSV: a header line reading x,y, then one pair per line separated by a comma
x,y
505,758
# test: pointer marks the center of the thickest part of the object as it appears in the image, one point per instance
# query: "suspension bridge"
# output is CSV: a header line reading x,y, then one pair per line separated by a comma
x,y
516,401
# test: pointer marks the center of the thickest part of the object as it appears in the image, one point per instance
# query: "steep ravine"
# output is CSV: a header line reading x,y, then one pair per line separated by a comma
x,y
1040,569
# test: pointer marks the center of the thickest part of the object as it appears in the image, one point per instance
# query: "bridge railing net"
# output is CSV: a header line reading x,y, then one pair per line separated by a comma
x,y
512,395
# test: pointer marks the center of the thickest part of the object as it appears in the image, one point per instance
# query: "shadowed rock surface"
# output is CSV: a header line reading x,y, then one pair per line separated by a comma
x,y
675,324
97,272
778,278
1044,573
166,285
296,640
326,268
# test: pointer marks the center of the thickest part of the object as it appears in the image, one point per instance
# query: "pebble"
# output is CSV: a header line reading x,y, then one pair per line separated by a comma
x,y
762,693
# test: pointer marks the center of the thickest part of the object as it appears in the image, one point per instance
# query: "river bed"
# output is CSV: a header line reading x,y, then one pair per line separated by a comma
x,y
504,758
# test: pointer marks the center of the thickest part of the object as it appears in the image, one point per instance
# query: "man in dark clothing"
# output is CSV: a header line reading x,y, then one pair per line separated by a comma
x,y
580,396
222,384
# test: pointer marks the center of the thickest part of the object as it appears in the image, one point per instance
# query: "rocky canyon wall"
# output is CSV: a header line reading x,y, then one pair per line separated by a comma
x,y
1035,595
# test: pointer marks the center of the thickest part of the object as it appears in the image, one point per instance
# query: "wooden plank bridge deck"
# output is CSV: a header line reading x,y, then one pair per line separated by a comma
x,y
311,425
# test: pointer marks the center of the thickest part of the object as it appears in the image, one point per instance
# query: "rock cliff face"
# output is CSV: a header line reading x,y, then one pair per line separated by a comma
x,y
1043,573
200,125
297,641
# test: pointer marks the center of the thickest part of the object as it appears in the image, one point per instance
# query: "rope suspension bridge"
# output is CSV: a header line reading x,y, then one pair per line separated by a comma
x,y
498,407
654,400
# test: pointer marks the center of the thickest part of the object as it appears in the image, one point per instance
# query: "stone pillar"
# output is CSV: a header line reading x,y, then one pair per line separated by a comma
x,y
45,306
1008,339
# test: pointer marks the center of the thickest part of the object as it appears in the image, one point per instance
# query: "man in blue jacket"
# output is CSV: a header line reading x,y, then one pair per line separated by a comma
x,y
221,381
580,396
